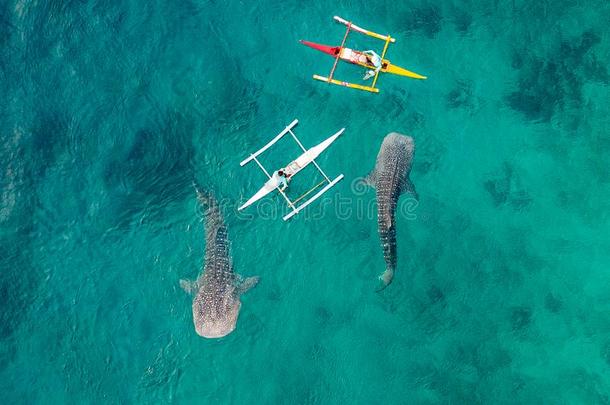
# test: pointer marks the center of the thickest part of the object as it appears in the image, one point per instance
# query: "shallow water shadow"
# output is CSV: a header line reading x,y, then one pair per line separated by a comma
x,y
520,318
426,19
156,169
505,189
551,84
461,96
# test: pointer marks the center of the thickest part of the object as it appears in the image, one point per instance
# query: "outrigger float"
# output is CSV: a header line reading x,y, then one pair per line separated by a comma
x,y
359,58
308,156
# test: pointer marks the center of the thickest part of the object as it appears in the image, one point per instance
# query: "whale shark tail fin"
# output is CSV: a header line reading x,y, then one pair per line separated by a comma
x,y
385,278
244,284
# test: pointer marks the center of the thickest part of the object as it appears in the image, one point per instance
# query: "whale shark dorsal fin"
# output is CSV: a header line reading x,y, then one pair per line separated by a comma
x,y
244,284
191,287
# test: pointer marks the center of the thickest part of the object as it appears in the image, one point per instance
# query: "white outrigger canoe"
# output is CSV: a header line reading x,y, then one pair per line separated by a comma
x,y
308,156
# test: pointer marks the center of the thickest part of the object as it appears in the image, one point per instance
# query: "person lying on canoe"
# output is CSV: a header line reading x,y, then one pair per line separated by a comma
x,y
281,179
373,59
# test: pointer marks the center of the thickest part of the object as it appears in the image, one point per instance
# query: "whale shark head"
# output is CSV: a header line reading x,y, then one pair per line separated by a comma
x,y
216,305
215,324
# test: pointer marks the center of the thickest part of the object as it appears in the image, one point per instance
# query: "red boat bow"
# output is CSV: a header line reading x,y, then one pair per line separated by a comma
x,y
330,50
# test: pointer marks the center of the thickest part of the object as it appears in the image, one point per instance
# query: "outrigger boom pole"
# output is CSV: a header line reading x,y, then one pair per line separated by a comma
x,y
332,71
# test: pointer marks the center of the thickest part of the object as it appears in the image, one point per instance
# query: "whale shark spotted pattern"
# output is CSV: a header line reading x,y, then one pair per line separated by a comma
x,y
390,178
217,291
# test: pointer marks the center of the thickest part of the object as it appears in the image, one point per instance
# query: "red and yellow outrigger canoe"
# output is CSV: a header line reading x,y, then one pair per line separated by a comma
x,y
359,58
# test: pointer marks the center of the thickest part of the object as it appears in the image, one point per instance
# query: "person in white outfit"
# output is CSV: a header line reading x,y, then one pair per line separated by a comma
x,y
282,179
375,60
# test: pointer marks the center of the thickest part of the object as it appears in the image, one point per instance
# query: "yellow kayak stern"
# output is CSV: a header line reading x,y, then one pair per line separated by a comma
x,y
387,67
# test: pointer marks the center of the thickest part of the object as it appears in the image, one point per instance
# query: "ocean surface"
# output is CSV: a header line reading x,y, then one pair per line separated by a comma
x,y
110,110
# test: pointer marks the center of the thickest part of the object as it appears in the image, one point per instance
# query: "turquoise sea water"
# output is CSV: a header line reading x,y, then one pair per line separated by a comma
x,y
109,111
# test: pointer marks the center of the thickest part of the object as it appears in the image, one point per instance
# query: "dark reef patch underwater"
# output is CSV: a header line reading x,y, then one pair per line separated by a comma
x,y
110,111
552,83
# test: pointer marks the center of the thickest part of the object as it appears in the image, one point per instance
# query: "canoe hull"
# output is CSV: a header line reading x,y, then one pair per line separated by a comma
x,y
327,49
269,186
306,158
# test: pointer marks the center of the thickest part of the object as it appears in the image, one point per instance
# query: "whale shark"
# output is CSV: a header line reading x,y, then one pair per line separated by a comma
x,y
390,178
217,291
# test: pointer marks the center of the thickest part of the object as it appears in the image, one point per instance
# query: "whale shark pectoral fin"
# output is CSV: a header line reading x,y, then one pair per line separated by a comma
x,y
371,178
190,287
244,284
408,187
